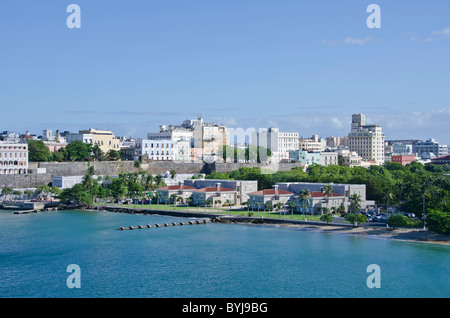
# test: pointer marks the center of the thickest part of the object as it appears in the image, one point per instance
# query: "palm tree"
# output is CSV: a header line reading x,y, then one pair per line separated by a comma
x,y
268,206
328,191
218,202
355,200
156,195
247,204
188,200
208,202
148,182
173,174
158,180
150,196
179,199
229,205
304,197
258,204
278,206
292,205
173,198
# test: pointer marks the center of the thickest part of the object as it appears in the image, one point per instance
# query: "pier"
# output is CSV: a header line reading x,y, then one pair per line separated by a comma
x,y
24,212
148,226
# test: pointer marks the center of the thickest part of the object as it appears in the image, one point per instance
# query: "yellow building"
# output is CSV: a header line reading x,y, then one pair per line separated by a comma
x,y
105,139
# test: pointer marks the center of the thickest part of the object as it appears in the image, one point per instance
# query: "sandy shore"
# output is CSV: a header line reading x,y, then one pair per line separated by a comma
x,y
416,235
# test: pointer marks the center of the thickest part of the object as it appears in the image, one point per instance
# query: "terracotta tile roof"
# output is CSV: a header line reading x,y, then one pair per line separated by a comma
x,y
319,194
177,187
214,189
271,192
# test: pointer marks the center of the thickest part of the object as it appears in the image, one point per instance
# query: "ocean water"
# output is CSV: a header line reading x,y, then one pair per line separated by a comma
x,y
207,260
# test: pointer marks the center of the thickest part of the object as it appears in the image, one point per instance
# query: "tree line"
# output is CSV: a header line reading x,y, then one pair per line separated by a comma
x,y
74,151
414,188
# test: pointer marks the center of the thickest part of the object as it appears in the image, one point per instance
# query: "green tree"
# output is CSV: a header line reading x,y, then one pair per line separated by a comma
x,y
78,151
38,151
292,206
438,221
113,155
355,203
396,220
327,217
355,218
97,153
327,192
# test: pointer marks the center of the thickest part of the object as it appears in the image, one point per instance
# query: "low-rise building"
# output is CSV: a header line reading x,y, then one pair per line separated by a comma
x,y
164,150
304,157
341,194
403,159
443,160
242,187
328,158
217,195
350,158
312,144
259,199
105,139
180,190
317,201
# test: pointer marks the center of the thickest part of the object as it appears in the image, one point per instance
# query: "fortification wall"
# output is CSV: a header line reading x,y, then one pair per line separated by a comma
x,y
113,168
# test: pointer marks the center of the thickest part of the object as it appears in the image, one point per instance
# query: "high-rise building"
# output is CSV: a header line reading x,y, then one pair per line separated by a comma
x,y
366,140
279,143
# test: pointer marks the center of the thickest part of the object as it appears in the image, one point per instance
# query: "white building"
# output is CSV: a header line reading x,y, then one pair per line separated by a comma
x,y
402,149
312,144
279,143
430,145
350,158
207,139
13,158
164,150
366,140
328,158
172,133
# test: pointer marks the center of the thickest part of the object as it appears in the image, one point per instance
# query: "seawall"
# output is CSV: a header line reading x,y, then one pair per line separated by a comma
x,y
113,168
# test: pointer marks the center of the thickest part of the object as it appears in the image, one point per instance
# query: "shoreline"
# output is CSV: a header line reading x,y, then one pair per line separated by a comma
x,y
400,234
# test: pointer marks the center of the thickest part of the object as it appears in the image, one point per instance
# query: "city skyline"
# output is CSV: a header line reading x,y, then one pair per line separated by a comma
x,y
297,66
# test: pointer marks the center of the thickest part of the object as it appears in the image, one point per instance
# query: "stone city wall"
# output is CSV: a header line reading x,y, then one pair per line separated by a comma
x,y
113,168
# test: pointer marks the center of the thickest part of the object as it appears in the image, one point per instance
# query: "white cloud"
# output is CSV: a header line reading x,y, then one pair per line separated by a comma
x,y
438,35
349,41
444,32
359,41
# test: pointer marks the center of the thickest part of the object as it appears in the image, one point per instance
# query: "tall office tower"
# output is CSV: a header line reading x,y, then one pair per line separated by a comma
x,y
366,140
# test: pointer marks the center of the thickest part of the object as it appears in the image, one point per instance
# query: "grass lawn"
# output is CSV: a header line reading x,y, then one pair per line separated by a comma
x,y
220,210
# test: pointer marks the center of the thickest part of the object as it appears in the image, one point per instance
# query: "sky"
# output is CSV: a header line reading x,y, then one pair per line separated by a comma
x,y
300,65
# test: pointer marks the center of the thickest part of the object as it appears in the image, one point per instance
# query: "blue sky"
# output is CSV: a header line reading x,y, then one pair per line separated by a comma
x,y
302,66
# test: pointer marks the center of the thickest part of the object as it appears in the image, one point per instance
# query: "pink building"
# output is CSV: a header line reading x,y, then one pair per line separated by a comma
x,y
403,159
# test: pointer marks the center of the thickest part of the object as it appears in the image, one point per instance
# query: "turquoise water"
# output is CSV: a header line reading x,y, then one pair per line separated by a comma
x,y
208,260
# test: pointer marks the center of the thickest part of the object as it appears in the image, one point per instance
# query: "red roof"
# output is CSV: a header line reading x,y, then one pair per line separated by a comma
x,y
271,192
319,194
446,158
213,189
177,187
